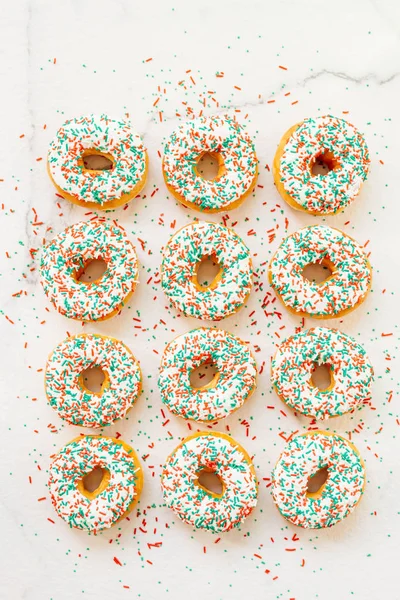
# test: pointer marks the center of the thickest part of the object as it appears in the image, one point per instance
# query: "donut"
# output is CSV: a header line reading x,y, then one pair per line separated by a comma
x,y
345,288
302,458
339,146
181,258
350,370
196,505
232,385
227,142
117,493
64,259
101,135
66,390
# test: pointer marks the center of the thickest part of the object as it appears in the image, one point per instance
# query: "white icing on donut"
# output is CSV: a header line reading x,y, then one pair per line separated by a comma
x,y
303,456
75,403
220,135
182,254
334,190
77,459
193,503
104,135
236,367
68,253
294,362
347,287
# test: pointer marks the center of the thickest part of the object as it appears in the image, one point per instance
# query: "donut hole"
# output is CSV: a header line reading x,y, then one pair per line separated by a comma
x,y
210,166
322,376
207,273
94,482
92,271
210,481
316,482
323,163
93,160
318,272
93,379
204,376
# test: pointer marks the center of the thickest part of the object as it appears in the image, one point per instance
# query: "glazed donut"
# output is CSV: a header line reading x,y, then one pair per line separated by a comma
x,y
340,146
228,143
232,385
116,494
194,504
99,189
181,258
344,290
64,259
350,370
302,458
65,388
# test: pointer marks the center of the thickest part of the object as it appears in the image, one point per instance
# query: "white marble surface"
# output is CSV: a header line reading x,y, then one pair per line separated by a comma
x,y
62,59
